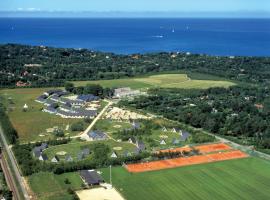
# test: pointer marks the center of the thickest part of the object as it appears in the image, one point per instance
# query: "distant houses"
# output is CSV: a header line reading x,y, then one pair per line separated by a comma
x,y
125,92
140,145
83,154
68,158
132,140
97,135
184,136
114,155
91,177
162,142
38,152
55,159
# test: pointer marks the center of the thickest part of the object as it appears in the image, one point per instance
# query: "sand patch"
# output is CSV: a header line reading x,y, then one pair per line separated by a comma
x,y
163,136
117,126
117,148
99,194
61,153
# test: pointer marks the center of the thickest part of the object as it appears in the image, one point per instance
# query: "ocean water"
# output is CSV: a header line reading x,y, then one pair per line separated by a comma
x,y
249,37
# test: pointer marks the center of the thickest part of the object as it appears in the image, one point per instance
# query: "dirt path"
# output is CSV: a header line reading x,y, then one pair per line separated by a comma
x,y
84,135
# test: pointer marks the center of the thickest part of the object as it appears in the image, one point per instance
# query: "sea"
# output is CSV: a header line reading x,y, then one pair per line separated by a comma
x,y
220,37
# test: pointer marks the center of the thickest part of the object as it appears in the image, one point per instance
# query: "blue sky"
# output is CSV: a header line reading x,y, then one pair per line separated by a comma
x,y
137,5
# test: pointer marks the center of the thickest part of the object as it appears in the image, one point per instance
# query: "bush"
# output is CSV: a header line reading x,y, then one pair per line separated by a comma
x,y
78,126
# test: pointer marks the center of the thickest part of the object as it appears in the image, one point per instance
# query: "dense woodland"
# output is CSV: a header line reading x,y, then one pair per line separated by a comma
x,y
44,66
237,112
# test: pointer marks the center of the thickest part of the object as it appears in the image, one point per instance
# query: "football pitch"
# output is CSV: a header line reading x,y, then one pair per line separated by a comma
x,y
247,178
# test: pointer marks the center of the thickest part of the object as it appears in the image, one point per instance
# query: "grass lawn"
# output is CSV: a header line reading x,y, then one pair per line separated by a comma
x,y
48,186
34,122
110,126
247,178
161,80
75,147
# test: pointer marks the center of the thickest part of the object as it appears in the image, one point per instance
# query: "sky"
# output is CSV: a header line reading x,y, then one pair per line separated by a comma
x,y
137,5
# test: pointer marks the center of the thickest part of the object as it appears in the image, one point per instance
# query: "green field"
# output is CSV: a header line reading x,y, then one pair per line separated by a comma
x,y
74,148
247,179
34,122
110,126
48,186
161,80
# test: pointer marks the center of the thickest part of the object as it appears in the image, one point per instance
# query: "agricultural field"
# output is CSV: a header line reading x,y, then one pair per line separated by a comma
x,y
247,178
32,124
74,148
162,80
48,186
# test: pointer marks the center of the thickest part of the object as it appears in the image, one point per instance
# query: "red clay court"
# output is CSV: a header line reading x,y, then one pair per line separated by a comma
x,y
198,159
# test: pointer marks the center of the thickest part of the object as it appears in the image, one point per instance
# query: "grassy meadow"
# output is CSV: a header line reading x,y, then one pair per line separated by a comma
x,y
33,122
162,80
247,179
48,186
74,148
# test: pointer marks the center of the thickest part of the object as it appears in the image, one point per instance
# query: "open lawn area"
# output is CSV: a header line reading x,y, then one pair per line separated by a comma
x,y
247,178
32,124
111,126
161,80
74,148
48,186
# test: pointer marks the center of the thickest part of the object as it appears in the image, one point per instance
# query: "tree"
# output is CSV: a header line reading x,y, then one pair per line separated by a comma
x,y
93,89
77,126
69,86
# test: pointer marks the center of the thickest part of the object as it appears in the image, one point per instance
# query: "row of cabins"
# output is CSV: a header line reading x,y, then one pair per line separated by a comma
x,y
184,135
69,108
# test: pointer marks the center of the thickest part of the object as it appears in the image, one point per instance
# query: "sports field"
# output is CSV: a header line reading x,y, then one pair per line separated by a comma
x,y
162,80
210,153
245,179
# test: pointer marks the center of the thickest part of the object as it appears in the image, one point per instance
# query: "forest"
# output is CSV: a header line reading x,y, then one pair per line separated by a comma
x,y
40,66
240,113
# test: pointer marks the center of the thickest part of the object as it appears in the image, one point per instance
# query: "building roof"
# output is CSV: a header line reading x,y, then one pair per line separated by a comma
x,y
37,152
38,149
80,156
175,141
55,159
86,151
50,92
42,98
88,97
136,125
91,177
44,156
97,135
68,158
184,136
44,146
132,139
140,145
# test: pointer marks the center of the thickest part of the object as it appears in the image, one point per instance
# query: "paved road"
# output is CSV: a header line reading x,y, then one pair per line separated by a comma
x,y
14,166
